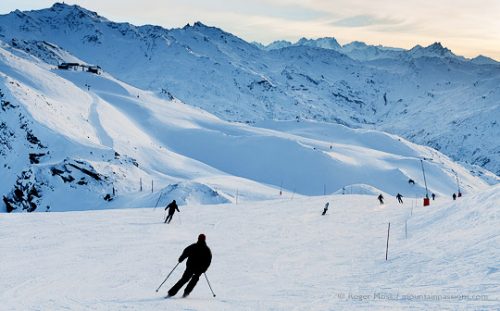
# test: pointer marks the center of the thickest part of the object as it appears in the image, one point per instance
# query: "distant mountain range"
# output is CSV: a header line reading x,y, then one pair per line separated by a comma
x,y
363,52
426,94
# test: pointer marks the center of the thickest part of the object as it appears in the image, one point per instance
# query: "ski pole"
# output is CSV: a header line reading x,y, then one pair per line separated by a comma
x,y
209,284
167,277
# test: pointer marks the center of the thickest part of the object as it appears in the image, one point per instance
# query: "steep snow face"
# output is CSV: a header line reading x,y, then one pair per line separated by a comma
x,y
426,94
269,255
70,134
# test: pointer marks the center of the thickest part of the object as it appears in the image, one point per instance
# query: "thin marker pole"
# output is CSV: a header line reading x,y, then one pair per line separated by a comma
x,y
387,246
425,180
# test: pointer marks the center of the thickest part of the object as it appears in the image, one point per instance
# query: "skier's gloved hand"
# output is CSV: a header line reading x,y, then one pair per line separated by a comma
x,y
180,259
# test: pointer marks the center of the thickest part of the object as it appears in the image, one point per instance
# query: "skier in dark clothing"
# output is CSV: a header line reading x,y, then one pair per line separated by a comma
x,y
433,196
454,196
199,258
381,198
326,208
399,197
171,210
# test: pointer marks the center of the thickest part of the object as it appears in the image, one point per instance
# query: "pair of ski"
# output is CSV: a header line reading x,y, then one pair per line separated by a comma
x,y
169,297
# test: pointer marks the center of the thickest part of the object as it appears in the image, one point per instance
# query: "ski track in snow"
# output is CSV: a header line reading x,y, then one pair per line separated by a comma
x,y
103,136
268,255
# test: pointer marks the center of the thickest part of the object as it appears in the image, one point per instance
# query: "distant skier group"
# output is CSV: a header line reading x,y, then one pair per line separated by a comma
x,y
399,197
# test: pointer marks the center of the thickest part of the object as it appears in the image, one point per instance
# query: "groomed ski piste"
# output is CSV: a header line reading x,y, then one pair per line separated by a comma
x,y
269,255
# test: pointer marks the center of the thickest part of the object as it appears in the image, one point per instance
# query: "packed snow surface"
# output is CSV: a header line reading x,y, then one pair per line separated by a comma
x,y
269,255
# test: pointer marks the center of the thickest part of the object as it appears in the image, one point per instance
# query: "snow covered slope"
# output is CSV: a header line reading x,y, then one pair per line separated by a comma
x,y
282,255
427,94
74,140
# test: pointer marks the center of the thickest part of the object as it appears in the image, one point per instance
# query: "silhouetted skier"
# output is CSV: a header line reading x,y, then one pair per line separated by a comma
x,y
381,198
433,196
399,197
199,258
454,196
171,210
326,208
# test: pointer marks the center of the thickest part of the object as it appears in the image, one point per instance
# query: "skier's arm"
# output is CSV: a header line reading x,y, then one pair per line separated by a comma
x,y
185,253
177,209
208,262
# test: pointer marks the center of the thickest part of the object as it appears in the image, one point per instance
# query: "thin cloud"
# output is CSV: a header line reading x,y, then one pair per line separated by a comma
x,y
365,20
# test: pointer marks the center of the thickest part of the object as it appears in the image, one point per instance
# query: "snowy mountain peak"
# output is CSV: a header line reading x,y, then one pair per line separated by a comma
x,y
68,10
33,23
438,48
434,50
355,44
278,44
484,60
199,24
329,43
204,28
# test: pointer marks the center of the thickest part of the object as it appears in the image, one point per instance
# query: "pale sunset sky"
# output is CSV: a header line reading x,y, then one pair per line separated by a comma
x,y
467,27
